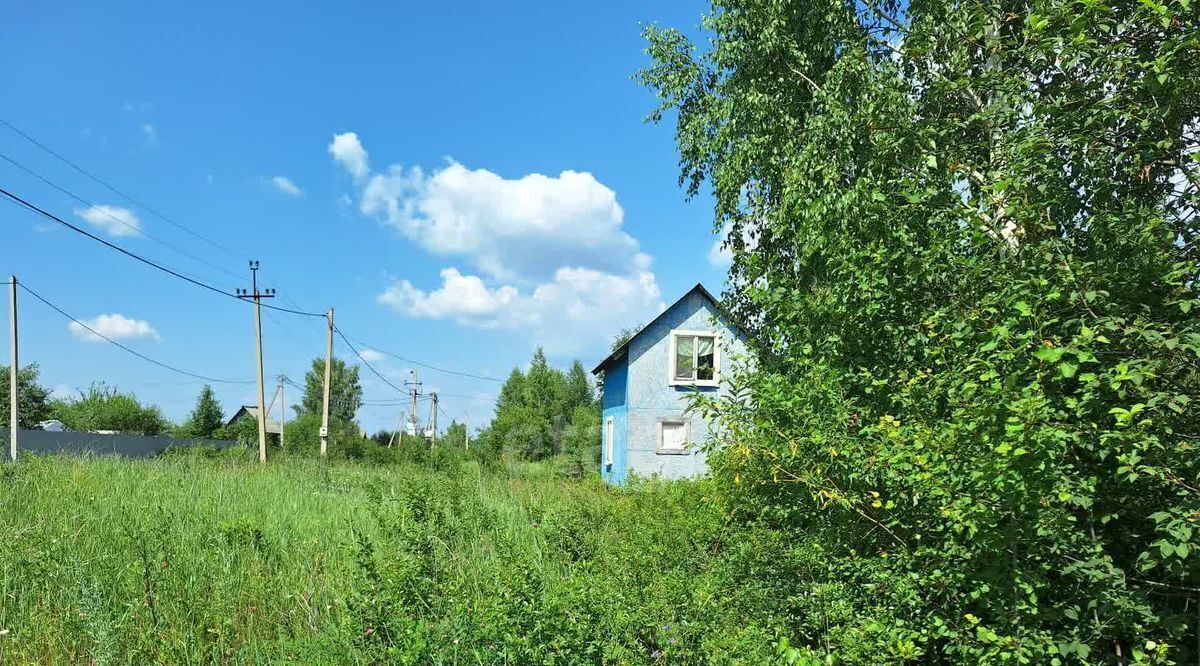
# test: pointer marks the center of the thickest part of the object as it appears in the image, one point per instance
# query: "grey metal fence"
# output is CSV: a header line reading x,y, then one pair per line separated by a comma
x,y
82,443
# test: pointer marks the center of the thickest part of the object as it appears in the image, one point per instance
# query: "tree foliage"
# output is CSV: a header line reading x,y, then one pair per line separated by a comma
x,y
455,436
33,399
535,410
207,417
103,407
964,243
345,391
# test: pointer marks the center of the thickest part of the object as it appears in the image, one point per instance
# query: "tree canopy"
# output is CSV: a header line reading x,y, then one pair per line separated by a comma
x,y
207,417
103,407
33,399
535,410
964,246
345,391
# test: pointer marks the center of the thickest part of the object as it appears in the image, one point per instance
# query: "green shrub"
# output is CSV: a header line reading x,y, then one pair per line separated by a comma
x,y
965,250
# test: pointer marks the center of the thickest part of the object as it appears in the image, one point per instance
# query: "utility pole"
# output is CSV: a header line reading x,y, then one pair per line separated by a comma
x,y
414,391
282,409
468,431
13,370
433,419
256,295
325,399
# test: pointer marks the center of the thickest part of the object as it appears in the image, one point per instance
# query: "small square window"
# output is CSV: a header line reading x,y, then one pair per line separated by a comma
x,y
694,358
673,436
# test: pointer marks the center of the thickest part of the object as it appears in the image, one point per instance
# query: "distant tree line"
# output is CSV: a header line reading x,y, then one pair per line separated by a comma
x,y
545,412
103,407
541,413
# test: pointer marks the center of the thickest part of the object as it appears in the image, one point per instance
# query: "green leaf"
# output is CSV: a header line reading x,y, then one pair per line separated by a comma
x,y
1049,354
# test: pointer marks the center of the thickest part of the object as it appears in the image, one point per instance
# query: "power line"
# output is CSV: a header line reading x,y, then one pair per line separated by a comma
x,y
365,362
118,192
131,351
182,276
431,367
132,227
131,199
137,257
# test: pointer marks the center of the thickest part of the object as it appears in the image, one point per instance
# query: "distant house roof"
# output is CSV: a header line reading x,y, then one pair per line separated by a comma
x,y
252,411
620,351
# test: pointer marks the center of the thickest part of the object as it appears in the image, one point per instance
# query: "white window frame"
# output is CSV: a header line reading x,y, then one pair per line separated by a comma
x,y
716,380
687,437
609,431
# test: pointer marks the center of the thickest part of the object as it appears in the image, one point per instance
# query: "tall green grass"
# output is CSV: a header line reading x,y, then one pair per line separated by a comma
x,y
212,560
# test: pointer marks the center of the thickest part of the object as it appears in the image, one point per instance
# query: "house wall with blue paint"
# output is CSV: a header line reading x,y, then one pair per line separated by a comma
x,y
641,398
612,423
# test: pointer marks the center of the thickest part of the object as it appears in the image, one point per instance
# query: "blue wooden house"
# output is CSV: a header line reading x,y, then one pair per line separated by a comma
x,y
646,426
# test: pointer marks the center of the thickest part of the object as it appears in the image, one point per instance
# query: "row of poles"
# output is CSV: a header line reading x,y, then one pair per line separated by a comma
x,y
255,295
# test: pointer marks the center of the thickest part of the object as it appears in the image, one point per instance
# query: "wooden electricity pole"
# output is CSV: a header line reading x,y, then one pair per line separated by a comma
x,y
414,392
282,409
433,419
468,446
256,295
325,399
13,370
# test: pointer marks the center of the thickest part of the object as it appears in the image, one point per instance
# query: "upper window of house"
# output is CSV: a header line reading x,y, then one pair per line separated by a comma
x,y
694,358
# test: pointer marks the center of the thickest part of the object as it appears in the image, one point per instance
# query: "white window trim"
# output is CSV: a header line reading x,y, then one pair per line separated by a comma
x,y
716,380
687,437
609,433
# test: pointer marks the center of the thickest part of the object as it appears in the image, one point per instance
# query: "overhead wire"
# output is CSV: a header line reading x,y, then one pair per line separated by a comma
x,y
127,349
430,366
149,262
121,193
125,223
20,201
366,362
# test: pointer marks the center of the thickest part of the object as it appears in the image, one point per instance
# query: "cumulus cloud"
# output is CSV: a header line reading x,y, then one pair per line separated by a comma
x,y
464,298
113,220
576,308
348,151
285,185
549,253
113,326
514,229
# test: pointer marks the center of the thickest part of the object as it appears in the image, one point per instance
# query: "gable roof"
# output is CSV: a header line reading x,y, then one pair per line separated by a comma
x,y
272,425
619,351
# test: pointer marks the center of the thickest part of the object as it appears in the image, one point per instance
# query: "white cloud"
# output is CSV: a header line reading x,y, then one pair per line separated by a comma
x,y
719,255
514,229
113,326
464,298
149,133
550,253
577,308
371,355
348,151
114,220
285,185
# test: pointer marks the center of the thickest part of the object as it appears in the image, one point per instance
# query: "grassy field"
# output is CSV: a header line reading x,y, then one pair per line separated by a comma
x,y
194,559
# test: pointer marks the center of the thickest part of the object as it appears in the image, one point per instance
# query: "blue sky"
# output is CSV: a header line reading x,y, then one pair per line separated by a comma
x,y
460,181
